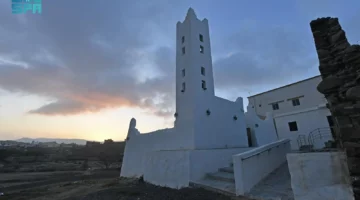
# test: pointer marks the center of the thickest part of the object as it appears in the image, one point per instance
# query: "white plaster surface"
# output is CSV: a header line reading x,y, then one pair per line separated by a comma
x,y
210,160
307,120
306,88
219,129
137,146
262,131
167,168
309,115
193,128
176,168
321,175
252,166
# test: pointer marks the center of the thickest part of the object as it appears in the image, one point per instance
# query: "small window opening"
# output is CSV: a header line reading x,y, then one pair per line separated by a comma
x,y
293,126
183,72
296,102
183,87
275,106
203,85
183,39
201,49
183,50
203,71
201,38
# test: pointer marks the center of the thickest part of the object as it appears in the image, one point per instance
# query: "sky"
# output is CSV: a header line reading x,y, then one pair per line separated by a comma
x,y
82,69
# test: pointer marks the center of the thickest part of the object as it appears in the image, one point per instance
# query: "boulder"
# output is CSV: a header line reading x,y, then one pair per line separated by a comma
x,y
329,83
353,93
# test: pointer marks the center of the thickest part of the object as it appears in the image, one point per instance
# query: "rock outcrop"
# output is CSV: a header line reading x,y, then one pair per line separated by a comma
x,y
340,70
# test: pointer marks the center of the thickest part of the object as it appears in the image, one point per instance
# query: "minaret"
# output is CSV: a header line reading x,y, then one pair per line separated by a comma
x,y
194,73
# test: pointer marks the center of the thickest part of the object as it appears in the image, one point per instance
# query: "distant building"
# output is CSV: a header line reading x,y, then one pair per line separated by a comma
x,y
64,145
108,141
49,144
92,143
298,109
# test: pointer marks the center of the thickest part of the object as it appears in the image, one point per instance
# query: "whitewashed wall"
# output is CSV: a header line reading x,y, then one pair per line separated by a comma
x,y
206,161
219,129
138,145
321,175
175,169
307,88
252,166
167,168
307,120
262,131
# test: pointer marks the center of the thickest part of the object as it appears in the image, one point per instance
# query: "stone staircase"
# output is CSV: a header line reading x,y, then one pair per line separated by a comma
x,y
276,186
222,181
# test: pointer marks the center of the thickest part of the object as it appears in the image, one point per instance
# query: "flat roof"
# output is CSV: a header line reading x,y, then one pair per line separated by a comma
x,y
285,86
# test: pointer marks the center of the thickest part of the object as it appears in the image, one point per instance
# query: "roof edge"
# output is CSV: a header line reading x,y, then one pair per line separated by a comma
x,y
284,86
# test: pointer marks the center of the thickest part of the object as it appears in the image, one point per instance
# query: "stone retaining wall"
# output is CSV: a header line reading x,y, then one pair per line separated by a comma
x,y
340,70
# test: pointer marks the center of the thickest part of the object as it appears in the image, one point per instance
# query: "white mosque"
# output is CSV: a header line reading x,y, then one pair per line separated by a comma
x,y
213,142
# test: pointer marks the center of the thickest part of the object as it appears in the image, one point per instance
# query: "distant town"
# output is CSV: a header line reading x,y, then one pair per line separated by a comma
x,y
36,156
50,144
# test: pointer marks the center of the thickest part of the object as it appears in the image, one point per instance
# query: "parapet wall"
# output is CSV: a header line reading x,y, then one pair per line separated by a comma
x,y
138,145
320,175
252,166
262,130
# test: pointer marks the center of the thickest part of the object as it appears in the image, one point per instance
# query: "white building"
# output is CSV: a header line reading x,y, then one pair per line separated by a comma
x,y
298,109
209,134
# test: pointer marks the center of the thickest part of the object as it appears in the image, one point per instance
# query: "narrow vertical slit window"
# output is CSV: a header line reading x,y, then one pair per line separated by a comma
x,y
203,71
203,85
183,39
201,49
183,72
183,50
201,38
183,87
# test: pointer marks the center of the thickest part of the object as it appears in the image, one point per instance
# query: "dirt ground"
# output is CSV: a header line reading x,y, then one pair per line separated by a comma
x,y
100,185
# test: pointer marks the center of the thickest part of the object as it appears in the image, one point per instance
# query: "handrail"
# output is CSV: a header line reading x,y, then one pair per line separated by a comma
x,y
302,140
266,148
319,133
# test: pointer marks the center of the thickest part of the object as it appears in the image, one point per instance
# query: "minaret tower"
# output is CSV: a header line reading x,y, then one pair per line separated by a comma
x,y
194,73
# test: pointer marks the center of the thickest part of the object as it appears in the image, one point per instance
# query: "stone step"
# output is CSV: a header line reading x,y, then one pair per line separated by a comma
x,y
222,187
227,169
221,176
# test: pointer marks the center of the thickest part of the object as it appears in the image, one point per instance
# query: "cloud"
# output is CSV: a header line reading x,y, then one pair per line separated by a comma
x,y
87,56
88,59
264,55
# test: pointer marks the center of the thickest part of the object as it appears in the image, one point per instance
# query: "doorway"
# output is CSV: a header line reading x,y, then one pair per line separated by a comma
x,y
248,130
331,125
